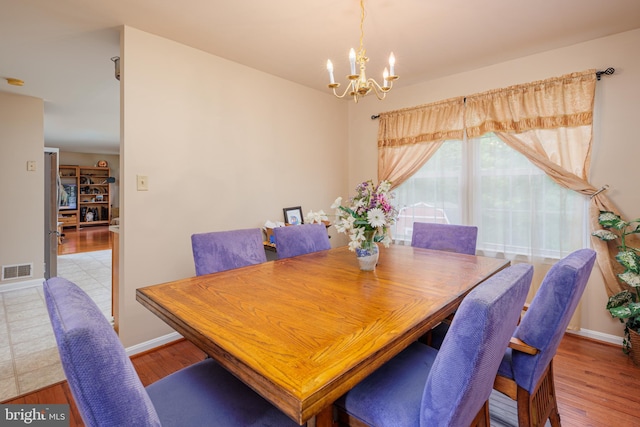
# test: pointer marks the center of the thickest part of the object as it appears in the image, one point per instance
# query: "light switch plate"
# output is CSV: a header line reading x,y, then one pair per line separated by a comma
x,y
31,165
143,182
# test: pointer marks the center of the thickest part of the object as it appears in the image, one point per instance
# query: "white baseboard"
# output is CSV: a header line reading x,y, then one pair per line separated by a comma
x,y
154,343
598,336
21,285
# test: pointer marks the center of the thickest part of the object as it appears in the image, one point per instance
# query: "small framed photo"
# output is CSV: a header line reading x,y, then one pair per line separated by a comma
x,y
293,215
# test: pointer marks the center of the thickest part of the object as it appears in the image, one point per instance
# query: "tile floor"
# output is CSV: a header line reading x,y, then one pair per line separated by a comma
x,y
28,354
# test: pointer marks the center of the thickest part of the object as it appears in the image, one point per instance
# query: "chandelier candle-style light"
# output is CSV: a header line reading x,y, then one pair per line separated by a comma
x,y
359,84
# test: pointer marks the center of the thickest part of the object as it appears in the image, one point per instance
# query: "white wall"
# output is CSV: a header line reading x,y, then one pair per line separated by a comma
x,y
224,146
616,147
21,192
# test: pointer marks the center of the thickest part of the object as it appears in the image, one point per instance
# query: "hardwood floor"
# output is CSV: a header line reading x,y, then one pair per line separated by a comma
x,y
87,239
595,382
151,366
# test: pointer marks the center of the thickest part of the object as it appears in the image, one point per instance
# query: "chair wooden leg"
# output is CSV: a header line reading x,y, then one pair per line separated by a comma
x,y
534,410
524,408
482,419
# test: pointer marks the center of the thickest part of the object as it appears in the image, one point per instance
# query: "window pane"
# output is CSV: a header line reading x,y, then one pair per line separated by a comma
x,y
433,194
519,210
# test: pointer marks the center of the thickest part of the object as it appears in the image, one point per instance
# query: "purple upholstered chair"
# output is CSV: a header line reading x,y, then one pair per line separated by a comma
x,y
524,376
108,391
226,250
445,237
426,387
527,367
302,239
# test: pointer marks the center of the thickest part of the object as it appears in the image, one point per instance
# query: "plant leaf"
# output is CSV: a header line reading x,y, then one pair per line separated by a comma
x,y
629,260
605,235
620,299
608,219
630,278
632,310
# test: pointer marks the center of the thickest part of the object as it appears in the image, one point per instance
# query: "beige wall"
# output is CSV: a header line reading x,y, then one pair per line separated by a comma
x,y
21,192
90,159
615,151
224,146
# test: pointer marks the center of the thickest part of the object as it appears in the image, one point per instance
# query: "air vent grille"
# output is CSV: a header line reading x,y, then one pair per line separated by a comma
x,y
16,271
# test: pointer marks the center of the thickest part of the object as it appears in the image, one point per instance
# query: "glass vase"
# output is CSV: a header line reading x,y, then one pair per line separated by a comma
x,y
368,252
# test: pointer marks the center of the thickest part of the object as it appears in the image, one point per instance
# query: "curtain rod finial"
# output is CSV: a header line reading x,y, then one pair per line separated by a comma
x,y
608,72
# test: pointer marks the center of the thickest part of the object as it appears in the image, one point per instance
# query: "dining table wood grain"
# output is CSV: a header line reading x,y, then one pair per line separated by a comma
x,y
302,331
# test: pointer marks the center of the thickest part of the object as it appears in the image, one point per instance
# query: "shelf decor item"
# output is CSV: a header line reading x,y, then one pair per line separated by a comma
x,y
367,219
293,216
624,305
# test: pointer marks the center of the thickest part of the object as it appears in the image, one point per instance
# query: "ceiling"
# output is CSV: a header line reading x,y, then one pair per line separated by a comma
x,y
62,49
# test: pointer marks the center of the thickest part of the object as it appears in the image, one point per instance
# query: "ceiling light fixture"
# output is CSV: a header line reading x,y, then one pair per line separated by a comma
x,y
359,85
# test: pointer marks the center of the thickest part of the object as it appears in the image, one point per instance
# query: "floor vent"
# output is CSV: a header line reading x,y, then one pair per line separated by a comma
x,y
16,271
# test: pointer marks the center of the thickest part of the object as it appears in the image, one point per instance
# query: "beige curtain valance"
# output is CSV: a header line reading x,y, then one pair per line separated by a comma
x,y
426,123
565,101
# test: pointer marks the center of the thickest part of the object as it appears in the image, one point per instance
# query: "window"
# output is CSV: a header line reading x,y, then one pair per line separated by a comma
x,y
518,209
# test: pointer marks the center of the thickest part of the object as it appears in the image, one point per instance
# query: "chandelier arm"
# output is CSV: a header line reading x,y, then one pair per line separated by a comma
x,y
381,92
344,93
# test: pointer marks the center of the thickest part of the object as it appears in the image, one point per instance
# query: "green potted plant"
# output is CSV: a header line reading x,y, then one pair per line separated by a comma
x,y
624,305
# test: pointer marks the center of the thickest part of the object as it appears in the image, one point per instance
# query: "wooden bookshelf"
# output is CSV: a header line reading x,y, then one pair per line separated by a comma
x,y
94,204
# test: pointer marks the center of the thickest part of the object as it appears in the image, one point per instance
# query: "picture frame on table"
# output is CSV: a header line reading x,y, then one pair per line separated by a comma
x,y
293,215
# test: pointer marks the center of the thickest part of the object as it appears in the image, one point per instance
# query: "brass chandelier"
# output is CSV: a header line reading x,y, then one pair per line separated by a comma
x,y
359,85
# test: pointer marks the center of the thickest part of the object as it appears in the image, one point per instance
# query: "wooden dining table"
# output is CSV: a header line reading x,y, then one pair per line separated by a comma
x,y
302,331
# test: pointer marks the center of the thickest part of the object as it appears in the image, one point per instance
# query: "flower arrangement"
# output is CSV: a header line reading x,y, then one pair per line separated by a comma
x,y
368,215
624,305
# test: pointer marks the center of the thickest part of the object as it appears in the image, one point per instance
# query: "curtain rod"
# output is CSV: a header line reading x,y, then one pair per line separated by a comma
x,y
608,72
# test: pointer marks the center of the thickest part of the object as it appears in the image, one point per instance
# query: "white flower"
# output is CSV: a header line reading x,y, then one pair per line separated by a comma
x,y
345,224
342,226
357,237
318,217
358,204
376,218
384,187
337,203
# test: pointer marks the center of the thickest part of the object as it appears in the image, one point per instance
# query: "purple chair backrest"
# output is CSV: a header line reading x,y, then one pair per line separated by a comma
x,y
445,237
462,375
103,381
226,250
549,313
302,239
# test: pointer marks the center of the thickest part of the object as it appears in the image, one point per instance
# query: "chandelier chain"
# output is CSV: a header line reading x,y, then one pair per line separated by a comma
x,y
361,52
